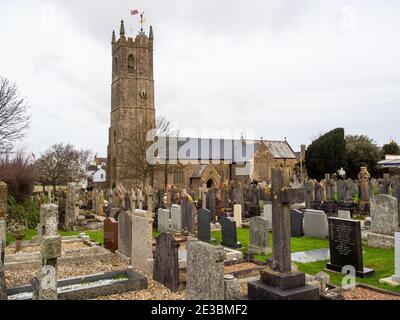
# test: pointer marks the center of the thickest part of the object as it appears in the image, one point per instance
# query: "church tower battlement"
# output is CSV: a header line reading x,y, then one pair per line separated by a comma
x,y
132,99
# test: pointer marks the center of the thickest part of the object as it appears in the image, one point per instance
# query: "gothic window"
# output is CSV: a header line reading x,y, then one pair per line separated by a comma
x,y
178,177
131,64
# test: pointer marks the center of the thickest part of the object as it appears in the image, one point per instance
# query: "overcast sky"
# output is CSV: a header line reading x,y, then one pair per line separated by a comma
x,y
283,68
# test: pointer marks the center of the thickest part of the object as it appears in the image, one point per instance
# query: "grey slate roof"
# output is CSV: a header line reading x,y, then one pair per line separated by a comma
x,y
235,151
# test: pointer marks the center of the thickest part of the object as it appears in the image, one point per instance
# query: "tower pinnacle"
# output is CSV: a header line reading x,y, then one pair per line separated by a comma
x,y
122,30
113,39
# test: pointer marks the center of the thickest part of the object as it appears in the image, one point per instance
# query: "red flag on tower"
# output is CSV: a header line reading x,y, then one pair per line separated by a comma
x,y
134,12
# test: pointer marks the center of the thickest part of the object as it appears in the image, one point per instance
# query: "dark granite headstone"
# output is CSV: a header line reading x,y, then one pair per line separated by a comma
x,y
111,234
166,263
204,227
345,246
296,223
229,236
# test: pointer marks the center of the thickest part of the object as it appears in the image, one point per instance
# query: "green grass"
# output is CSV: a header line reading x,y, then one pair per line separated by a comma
x,y
297,244
381,260
156,234
97,236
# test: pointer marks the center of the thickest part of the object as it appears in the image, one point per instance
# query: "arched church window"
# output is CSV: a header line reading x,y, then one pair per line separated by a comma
x,y
131,64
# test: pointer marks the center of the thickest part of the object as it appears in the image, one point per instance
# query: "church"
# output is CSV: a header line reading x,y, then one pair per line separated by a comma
x,y
195,162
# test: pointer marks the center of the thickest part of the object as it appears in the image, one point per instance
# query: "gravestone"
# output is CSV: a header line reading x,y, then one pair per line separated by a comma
x,y
205,271
315,224
50,249
187,208
71,211
229,236
351,190
166,263
259,231
279,282
163,220
395,279
309,193
142,241
3,285
3,212
384,221
204,225
345,246
237,215
344,214
341,191
267,213
125,233
176,218
296,223
111,234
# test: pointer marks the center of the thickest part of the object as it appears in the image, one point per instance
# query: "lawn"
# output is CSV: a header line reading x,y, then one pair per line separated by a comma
x,y
297,244
381,260
97,236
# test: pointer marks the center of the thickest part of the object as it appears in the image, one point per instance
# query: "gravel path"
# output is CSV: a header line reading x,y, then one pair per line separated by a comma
x,y
366,294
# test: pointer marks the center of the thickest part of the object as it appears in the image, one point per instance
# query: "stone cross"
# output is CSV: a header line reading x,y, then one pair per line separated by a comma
x,y
364,177
386,183
50,250
281,220
139,198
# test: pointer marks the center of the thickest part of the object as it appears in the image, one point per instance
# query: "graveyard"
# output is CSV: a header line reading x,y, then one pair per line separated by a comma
x,y
311,213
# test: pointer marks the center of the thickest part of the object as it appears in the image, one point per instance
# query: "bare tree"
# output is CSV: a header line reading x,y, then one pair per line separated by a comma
x,y
62,164
137,167
165,130
14,119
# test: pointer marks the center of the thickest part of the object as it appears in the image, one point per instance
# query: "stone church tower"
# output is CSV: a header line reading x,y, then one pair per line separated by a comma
x,y
132,102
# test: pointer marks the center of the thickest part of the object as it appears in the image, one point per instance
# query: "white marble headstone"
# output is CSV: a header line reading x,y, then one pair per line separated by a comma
x,y
237,215
396,277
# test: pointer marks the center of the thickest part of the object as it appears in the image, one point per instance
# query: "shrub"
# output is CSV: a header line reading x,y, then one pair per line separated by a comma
x,y
19,174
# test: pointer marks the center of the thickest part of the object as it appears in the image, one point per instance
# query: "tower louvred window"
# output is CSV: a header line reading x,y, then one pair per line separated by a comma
x,y
131,63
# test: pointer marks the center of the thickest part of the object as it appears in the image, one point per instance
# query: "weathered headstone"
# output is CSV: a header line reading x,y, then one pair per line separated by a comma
x,y
341,191
3,285
71,211
237,215
204,225
345,246
344,214
229,235
111,234
259,231
50,251
205,271
296,223
176,218
309,193
142,238
267,213
125,233
281,283
395,279
166,263
384,221
3,212
163,220
187,208
315,224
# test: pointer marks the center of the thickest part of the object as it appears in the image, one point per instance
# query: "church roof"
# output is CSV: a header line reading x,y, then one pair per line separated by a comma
x,y
230,150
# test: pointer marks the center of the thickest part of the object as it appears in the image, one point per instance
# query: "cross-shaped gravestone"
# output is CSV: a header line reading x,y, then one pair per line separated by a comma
x,y
281,220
